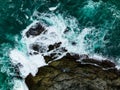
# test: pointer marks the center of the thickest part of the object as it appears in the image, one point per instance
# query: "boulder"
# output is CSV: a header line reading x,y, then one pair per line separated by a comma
x,y
35,30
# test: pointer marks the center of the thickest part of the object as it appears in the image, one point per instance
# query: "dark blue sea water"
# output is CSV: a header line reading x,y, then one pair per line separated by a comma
x,y
94,23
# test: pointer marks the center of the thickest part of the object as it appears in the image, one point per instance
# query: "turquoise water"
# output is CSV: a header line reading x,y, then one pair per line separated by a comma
x,y
101,15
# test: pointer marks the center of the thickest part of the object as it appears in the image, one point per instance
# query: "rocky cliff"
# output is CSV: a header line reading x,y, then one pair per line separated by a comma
x,y
76,72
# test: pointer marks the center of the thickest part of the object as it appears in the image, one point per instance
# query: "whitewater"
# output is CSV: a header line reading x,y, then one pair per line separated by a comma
x,y
89,27
30,62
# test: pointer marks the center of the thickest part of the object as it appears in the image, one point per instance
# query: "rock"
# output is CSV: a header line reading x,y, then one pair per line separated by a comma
x,y
91,61
48,58
73,43
17,71
75,56
30,81
64,64
54,46
35,30
38,48
69,74
84,56
72,56
66,30
103,63
107,63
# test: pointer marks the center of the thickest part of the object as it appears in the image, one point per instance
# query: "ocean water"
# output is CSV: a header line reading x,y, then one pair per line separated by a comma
x,y
93,28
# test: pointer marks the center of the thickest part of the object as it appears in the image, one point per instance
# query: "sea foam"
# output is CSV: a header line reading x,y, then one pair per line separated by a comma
x,y
54,34
19,85
26,64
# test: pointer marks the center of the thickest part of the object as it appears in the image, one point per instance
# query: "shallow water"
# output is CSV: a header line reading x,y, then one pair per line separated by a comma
x,y
93,25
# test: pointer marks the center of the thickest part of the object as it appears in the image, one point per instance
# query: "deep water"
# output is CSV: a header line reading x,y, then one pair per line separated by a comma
x,y
102,17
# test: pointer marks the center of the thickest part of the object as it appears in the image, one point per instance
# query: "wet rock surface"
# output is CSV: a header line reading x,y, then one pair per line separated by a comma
x,y
35,30
102,63
55,54
54,46
76,72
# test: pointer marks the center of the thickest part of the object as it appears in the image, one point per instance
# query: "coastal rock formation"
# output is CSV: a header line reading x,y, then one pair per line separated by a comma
x,y
76,72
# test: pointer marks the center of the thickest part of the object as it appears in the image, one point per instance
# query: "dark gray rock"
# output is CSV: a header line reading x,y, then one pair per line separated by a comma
x,y
35,30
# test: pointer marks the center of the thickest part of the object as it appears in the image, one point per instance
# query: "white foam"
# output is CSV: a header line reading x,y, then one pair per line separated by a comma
x,y
80,47
55,33
27,64
19,85
98,57
53,8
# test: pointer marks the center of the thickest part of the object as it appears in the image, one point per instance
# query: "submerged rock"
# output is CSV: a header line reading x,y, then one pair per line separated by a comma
x,y
36,47
55,53
54,46
69,74
35,30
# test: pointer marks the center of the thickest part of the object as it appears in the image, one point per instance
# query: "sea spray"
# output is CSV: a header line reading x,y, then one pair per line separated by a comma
x,y
26,64
19,85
